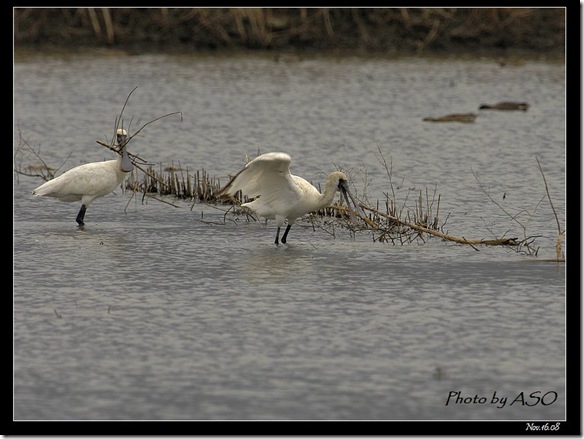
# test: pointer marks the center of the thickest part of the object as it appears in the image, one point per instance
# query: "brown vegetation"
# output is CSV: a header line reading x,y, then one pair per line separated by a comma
x,y
393,30
398,222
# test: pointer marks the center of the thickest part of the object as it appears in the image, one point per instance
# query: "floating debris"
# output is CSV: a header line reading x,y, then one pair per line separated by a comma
x,y
455,117
506,106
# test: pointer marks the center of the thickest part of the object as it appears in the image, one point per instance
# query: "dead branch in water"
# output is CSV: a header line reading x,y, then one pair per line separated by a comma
x,y
120,124
113,147
402,224
446,236
559,253
23,151
397,229
399,223
527,240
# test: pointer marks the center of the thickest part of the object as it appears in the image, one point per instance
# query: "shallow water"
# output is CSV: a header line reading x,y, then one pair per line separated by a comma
x,y
159,312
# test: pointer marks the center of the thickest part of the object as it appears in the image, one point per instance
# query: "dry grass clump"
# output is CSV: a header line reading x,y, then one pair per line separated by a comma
x,y
284,29
176,182
400,221
414,217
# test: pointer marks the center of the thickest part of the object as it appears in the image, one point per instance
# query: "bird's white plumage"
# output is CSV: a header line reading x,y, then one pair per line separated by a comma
x,y
265,172
89,181
84,183
277,193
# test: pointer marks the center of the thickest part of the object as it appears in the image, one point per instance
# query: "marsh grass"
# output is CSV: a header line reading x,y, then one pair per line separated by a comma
x,y
177,182
289,29
397,219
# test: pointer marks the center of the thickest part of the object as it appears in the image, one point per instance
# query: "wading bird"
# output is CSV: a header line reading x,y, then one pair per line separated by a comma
x,y
279,195
87,182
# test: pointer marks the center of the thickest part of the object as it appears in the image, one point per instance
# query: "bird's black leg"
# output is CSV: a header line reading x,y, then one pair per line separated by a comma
x,y
286,233
81,215
277,236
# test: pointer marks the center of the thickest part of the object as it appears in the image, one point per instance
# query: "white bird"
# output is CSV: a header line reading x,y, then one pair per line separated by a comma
x,y
279,195
87,182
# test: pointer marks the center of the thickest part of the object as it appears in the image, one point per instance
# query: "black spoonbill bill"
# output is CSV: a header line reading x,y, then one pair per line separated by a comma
x,y
279,195
89,181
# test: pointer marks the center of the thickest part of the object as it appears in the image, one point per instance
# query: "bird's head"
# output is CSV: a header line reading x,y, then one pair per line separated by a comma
x,y
343,187
121,137
126,164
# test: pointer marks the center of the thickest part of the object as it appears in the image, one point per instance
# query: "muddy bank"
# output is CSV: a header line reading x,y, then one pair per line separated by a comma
x,y
371,30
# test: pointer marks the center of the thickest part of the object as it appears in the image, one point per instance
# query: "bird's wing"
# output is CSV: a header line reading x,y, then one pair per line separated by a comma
x,y
266,174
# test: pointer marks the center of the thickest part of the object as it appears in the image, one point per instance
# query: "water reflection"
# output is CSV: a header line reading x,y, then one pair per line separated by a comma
x,y
279,265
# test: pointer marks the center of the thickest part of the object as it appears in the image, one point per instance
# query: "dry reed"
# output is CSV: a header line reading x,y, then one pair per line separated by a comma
x,y
399,223
370,29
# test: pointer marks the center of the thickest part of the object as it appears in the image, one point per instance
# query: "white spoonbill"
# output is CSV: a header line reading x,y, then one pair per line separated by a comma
x,y
89,181
279,195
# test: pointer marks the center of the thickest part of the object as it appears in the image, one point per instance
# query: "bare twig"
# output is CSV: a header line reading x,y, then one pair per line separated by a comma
x,y
119,124
423,229
560,231
37,170
513,217
528,241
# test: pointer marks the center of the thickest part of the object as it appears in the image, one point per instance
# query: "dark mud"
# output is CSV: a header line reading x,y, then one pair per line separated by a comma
x,y
337,30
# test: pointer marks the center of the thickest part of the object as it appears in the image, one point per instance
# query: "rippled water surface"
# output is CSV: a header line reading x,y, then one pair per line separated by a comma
x,y
178,311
